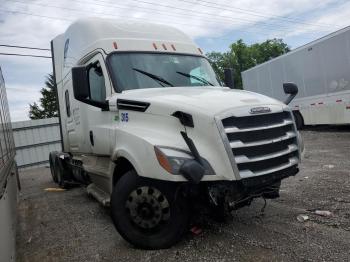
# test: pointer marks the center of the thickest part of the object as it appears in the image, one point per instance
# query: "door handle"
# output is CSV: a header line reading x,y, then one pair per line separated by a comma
x,y
91,138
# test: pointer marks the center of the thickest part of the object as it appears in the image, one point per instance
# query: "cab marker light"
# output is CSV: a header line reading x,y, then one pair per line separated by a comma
x,y
320,103
155,46
339,100
115,45
164,46
312,104
173,47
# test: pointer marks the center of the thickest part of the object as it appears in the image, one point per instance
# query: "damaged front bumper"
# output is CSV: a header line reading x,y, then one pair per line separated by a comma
x,y
235,194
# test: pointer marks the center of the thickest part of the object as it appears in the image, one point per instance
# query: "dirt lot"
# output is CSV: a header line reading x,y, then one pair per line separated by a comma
x,y
70,226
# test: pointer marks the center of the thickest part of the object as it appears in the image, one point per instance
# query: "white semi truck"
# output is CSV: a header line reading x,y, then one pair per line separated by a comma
x,y
321,69
150,130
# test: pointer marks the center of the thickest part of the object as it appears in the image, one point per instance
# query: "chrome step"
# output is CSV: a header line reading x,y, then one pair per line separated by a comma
x,y
98,194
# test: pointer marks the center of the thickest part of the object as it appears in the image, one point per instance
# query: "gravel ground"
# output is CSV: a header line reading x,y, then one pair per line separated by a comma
x,y
70,226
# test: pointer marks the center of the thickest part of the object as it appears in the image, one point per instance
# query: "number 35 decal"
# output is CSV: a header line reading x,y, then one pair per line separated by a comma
x,y
125,117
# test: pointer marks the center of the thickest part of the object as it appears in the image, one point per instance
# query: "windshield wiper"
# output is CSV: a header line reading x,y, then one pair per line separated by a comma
x,y
155,77
200,79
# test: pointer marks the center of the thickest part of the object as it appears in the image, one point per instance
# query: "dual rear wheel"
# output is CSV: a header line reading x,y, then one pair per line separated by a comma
x,y
52,161
58,170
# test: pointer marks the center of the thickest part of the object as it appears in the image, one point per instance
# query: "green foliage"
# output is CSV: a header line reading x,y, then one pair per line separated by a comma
x,y
48,104
241,57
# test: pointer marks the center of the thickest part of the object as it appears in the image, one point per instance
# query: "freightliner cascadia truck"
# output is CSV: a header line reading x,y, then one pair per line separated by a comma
x,y
150,130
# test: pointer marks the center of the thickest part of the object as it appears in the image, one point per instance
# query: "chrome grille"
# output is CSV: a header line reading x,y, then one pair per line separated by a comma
x,y
262,144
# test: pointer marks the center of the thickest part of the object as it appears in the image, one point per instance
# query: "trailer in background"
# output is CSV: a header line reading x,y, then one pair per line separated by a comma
x,y
321,69
9,182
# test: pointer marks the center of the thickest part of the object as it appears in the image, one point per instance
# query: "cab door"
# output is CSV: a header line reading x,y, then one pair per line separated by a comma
x,y
99,121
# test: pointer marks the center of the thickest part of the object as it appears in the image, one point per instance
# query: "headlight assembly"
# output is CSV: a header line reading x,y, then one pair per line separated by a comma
x,y
171,159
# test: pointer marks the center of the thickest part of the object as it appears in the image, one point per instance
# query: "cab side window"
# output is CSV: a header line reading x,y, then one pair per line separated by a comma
x,y
97,83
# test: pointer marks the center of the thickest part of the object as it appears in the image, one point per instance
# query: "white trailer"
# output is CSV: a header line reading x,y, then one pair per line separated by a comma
x,y
9,182
149,129
321,69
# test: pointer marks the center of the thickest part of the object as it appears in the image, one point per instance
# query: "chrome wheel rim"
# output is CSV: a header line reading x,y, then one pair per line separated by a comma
x,y
147,207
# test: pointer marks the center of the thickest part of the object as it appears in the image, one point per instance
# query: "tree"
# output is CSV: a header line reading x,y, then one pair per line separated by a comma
x,y
241,57
48,103
219,61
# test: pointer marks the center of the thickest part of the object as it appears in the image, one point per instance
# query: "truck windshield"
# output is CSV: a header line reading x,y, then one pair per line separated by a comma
x,y
152,70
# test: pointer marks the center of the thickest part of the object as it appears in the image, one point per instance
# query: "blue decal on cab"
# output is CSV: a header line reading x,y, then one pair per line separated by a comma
x,y
125,117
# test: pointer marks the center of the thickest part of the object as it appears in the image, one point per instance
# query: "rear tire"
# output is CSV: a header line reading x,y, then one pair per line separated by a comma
x,y
149,214
61,172
52,161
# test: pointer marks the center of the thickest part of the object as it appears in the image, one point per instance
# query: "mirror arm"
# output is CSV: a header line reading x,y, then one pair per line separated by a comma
x,y
103,105
289,99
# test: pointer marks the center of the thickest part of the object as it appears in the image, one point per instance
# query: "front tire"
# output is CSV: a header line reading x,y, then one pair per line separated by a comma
x,y
147,213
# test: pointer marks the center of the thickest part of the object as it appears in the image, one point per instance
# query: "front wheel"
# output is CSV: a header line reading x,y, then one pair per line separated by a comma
x,y
147,213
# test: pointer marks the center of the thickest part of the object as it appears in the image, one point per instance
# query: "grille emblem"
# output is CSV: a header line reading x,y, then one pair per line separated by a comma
x,y
260,110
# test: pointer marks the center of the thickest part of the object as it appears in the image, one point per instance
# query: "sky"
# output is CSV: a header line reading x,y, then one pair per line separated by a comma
x,y
213,25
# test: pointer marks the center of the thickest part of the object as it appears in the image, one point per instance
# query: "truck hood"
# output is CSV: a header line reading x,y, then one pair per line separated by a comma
x,y
202,100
